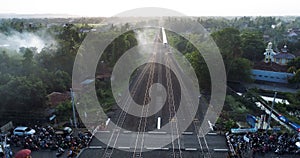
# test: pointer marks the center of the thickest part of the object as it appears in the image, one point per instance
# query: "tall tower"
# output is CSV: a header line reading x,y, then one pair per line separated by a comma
x,y
269,54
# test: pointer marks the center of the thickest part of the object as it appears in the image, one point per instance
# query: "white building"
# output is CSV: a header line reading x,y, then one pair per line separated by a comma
x,y
281,58
269,54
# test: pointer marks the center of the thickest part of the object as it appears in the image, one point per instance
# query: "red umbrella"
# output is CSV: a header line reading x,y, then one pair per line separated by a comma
x,y
23,153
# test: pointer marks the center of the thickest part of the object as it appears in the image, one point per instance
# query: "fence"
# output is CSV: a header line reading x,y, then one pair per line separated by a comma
x,y
7,127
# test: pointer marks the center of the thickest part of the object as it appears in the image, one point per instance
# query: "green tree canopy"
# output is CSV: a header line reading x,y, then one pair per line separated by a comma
x,y
229,42
252,45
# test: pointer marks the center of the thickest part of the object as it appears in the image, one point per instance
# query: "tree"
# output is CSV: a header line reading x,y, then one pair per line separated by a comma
x,y
184,46
28,64
4,62
61,81
200,68
252,45
23,93
294,63
294,67
240,70
229,41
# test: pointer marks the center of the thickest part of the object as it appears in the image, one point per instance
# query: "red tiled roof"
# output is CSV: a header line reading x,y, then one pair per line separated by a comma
x,y
56,97
270,67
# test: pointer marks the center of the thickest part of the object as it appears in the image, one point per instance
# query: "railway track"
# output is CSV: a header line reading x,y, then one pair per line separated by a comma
x,y
172,115
203,145
149,69
140,138
121,119
143,121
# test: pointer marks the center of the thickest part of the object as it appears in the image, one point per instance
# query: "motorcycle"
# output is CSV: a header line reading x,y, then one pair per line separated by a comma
x,y
60,152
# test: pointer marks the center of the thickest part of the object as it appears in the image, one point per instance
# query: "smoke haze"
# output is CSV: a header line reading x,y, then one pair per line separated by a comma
x,y
16,40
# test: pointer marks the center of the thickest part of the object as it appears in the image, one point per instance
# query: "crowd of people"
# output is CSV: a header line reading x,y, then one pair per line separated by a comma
x,y
48,138
260,143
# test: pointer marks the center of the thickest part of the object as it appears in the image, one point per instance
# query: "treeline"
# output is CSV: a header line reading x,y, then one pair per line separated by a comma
x,y
241,41
239,49
28,76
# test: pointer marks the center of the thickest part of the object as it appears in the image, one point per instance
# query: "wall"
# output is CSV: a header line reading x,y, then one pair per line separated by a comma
x,y
271,76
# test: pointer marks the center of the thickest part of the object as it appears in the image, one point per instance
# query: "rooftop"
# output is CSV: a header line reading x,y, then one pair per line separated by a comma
x,y
284,55
270,66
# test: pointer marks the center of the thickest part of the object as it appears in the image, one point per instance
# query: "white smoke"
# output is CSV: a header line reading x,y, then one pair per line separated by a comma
x,y
145,39
16,40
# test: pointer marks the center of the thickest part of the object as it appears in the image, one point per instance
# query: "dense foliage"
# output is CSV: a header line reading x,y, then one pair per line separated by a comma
x,y
28,75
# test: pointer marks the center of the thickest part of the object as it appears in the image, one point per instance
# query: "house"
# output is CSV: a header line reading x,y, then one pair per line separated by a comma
x,y
293,35
281,58
274,67
56,98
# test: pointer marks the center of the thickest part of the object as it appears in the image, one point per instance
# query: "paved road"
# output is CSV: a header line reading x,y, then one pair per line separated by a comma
x,y
152,154
189,145
41,153
272,87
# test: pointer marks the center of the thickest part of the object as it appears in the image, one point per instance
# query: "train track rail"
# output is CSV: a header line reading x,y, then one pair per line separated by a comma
x,y
203,145
140,138
121,119
143,121
172,115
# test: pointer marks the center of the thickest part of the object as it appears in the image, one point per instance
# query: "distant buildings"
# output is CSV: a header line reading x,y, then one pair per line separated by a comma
x,y
281,58
274,66
293,34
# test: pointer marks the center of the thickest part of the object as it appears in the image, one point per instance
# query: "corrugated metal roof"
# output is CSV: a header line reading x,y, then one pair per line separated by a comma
x,y
284,56
271,76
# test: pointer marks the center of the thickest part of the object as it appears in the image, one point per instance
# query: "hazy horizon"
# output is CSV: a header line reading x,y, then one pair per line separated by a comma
x,y
93,8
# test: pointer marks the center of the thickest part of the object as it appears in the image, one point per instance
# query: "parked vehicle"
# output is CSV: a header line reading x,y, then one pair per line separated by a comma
x,y
64,132
23,131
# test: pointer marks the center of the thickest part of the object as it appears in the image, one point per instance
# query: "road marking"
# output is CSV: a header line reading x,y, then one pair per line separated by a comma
x,y
212,134
187,133
127,131
103,131
157,132
164,148
123,147
95,147
210,125
221,150
153,148
191,149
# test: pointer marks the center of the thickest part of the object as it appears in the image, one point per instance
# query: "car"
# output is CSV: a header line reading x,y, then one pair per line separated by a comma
x,y
283,119
65,131
23,131
295,126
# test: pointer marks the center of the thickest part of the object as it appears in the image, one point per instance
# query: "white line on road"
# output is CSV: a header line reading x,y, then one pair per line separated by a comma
x,y
123,147
156,132
95,147
221,150
191,149
212,134
187,133
164,148
153,148
103,131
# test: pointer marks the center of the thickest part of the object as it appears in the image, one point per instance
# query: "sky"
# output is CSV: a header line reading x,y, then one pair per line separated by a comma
x,y
107,8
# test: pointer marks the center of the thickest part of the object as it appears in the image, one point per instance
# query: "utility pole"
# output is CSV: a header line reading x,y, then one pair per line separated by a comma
x,y
269,119
73,108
